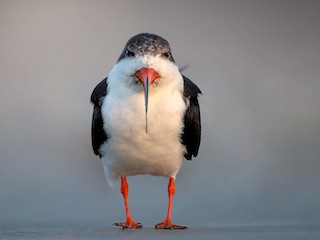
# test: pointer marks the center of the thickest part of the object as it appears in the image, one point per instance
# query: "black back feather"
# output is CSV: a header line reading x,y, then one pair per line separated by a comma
x,y
191,136
98,134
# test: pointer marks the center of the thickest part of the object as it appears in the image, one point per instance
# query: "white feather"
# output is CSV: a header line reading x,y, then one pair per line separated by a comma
x,y
130,150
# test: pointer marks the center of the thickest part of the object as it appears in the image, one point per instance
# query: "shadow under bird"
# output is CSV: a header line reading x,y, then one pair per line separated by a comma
x,y
146,118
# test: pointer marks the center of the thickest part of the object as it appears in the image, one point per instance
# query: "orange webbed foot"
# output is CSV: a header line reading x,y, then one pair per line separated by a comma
x,y
129,224
168,225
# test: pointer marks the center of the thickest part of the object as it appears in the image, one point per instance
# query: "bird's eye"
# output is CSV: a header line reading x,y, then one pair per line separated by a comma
x,y
129,53
166,55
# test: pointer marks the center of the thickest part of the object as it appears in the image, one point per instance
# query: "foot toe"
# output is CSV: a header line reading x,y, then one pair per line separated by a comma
x,y
169,226
129,225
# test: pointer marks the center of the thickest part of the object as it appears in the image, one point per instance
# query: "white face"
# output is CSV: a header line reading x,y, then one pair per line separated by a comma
x,y
121,76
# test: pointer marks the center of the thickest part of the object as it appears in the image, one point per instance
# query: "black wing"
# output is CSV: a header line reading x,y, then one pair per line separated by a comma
x,y
98,134
192,122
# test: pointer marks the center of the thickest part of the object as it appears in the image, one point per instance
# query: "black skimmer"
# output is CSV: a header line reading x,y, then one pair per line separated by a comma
x,y
146,118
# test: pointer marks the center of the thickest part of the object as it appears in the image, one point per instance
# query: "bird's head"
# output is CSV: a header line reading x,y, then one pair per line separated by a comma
x,y
147,62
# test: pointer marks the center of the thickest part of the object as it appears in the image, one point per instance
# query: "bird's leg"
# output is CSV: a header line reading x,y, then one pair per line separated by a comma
x,y
129,223
167,224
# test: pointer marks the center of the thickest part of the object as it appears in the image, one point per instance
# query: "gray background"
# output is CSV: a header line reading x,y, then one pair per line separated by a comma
x,y
257,63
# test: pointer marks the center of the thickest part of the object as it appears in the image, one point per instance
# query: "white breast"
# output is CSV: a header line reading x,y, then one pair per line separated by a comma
x,y
130,150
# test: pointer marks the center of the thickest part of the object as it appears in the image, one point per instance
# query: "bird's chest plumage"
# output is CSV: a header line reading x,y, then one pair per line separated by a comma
x,y
132,151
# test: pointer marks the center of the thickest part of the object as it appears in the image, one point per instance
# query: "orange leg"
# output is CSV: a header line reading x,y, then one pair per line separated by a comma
x,y
129,223
167,224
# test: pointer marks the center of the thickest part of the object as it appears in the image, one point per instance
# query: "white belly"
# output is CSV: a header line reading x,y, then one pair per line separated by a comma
x,y
130,150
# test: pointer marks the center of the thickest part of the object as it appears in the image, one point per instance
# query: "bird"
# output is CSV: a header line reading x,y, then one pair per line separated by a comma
x,y
146,119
